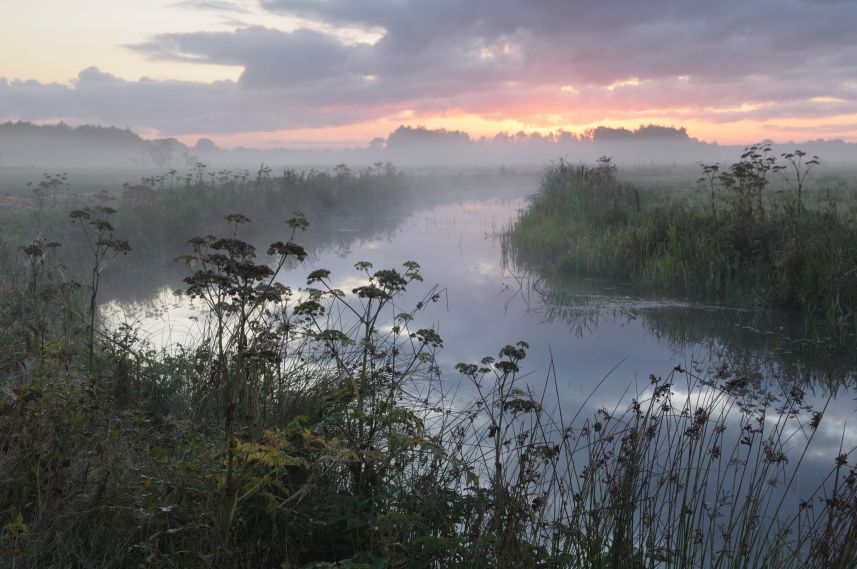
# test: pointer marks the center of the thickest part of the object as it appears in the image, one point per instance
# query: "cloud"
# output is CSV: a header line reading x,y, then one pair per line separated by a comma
x,y
270,58
607,42
553,61
719,45
171,107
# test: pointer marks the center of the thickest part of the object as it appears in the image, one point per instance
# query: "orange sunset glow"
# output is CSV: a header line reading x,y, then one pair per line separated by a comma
x,y
311,74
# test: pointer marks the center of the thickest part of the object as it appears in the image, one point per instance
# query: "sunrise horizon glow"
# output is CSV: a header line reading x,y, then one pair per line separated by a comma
x,y
308,74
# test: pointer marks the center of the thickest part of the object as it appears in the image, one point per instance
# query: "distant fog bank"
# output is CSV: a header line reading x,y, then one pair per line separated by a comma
x,y
29,145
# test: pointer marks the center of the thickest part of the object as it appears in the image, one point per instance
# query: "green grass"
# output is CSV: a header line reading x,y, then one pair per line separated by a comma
x,y
585,221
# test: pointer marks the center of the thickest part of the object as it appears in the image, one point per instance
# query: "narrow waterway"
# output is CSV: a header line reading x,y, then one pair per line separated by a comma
x,y
599,342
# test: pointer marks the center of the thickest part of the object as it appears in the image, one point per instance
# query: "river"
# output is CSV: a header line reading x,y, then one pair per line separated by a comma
x,y
600,342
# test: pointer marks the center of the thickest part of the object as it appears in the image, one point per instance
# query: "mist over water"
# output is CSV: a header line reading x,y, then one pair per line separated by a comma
x,y
599,341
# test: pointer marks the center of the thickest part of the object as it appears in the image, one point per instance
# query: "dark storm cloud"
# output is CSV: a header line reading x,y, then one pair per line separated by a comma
x,y
721,61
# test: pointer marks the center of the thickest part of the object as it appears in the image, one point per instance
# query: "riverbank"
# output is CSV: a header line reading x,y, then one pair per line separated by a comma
x,y
745,242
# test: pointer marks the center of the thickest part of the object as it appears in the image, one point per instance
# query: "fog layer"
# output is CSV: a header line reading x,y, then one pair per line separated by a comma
x,y
28,145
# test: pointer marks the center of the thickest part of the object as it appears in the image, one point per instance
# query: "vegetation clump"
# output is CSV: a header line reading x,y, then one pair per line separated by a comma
x,y
747,242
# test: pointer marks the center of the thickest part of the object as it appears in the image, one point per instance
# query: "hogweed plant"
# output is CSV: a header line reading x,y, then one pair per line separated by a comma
x,y
239,292
266,337
710,177
40,260
747,180
375,366
796,171
104,248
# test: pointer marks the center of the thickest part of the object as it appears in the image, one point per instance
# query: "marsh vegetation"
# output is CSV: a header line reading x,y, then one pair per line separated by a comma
x,y
341,414
749,236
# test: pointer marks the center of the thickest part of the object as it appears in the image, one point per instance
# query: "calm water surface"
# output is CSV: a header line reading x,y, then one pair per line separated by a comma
x,y
590,330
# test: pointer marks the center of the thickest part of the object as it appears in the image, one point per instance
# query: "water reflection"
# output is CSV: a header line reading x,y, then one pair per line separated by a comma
x,y
583,333
755,343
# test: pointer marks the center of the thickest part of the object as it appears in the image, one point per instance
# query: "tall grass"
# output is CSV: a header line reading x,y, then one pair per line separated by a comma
x,y
585,221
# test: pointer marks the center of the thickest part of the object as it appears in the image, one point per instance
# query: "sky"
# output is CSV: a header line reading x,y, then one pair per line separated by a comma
x,y
337,73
